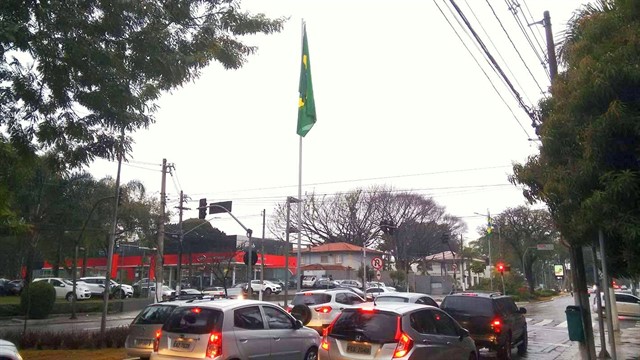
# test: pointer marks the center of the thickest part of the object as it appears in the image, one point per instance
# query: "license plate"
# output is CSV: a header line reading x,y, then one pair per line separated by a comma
x,y
356,348
144,342
181,345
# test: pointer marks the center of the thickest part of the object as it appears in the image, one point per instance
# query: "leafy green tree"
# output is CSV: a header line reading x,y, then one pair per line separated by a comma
x,y
76,74
587,171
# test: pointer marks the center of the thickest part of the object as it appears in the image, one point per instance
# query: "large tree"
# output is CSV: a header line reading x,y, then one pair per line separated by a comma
x,y
587,171
76,74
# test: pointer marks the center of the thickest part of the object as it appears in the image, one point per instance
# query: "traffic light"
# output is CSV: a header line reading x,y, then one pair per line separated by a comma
x,y
254,258
202,209
500,267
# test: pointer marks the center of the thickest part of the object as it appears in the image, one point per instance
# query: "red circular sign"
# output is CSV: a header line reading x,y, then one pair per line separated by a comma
x,y
376,262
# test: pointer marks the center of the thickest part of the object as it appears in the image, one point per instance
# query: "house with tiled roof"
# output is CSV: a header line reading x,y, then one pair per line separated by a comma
x,y
340,260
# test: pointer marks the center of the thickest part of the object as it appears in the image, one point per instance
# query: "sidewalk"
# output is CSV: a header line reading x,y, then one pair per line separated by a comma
x,y
65,319
627,345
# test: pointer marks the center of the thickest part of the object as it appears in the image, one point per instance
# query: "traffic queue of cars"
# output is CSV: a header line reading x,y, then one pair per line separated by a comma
x,y
331,324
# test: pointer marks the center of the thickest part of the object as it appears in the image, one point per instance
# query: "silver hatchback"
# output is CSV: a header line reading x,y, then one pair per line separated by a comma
x,y
234,329
395,331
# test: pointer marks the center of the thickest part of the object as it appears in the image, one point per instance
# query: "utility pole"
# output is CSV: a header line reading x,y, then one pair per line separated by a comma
x,y
180,246
607,296
264,216
160,252
551,48
603,342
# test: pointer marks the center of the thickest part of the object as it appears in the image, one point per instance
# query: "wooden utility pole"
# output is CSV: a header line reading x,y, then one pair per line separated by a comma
x,y
551,47
160,251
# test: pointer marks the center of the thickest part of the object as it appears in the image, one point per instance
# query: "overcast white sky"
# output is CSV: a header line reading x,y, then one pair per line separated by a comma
x,y
399,99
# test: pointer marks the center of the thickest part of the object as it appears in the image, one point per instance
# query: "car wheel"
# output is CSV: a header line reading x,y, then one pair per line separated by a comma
x,y
301,312
69,297
267,292
522,348
505,351
312,354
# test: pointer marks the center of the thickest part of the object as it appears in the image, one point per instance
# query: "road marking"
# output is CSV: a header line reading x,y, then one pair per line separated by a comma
x,y
543,322
562,325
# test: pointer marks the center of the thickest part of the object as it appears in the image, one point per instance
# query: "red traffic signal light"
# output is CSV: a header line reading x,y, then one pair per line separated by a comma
x,y
500,267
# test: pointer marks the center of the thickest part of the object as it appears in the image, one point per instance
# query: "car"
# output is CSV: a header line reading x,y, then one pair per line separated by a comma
x,y
351,283
64,288
317,308
494,321
325,284
375,291
267,286
167,292
14,287
143,328
186,294
380,284
8,351
97,284
357,291
216,291
277,281
626,304
308,281
414,298
234,329
396,330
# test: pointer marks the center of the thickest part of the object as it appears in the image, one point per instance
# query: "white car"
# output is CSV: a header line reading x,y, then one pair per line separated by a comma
x,y
380,284
64,288
317,308
167,292
375,291
268,287
9,351
627,304
96,285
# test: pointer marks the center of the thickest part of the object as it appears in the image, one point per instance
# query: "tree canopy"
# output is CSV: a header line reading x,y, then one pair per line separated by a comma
x,y
77,74
587,171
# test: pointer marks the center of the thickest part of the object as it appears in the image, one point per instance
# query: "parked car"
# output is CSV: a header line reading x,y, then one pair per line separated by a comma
x,y
97,284
186,294
414,298
3,286
375,291
351,283
325,284
234,329
317,308
14,287
267,286
143,328
494,321
626,304
216,291
8,351
398,331
64,288
167,292
357,291
380,284
277,281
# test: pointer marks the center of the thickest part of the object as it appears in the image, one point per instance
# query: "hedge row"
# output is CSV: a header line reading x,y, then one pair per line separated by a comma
x,y
9,310
70,340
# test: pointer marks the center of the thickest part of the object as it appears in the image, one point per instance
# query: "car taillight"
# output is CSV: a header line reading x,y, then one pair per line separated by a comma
x,y
156,341
405,343
496,325
324,344
214,348
323,309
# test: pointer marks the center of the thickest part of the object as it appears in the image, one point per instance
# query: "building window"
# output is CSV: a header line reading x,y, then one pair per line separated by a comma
x,y
338,259
324,259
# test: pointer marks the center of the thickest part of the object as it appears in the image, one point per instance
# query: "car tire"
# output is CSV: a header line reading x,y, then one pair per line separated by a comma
x,y
312,354
504,353
69,297
302,312
267,292
522,348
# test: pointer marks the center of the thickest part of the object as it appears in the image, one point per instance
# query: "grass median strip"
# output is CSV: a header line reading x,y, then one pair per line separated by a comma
x,y
97,354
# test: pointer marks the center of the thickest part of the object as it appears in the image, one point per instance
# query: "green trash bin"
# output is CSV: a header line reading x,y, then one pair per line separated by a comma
x,y
574,323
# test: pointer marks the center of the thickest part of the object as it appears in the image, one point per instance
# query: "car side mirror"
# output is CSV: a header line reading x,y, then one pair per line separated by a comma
x,y
63,285
299,324
463,333
522,310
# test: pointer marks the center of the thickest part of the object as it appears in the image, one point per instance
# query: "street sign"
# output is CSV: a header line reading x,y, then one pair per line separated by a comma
x,y
219,207
376,263
378,275
558,271
545,247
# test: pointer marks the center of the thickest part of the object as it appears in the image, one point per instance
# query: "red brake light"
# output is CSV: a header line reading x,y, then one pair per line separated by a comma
x,y
367,310
156,341
496,325
323,309
405,343
324,344
196,310
214,347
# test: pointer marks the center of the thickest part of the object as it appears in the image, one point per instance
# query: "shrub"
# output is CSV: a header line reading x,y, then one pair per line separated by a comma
x,y
41,295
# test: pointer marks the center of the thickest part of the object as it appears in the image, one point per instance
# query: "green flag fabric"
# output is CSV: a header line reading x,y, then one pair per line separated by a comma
x,y
306,104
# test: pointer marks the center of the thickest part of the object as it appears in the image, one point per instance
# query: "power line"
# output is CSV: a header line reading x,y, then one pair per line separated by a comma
x,y
514,11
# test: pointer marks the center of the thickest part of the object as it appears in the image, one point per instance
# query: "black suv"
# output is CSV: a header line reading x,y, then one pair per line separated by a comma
x,y
493,320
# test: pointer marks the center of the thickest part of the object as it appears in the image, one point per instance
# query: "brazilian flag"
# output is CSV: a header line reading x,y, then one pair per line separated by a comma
x,y
306,104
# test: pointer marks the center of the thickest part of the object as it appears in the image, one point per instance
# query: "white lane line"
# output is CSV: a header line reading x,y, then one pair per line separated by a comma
x,y
543,322
562,325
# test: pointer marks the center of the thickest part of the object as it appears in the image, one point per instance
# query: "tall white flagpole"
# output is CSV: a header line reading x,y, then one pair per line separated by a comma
x,y
298,257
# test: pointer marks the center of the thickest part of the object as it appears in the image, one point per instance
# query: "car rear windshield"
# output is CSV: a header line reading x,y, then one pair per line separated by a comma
x,y
470,305
311,299
194,320
391,299
156,314
372,326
